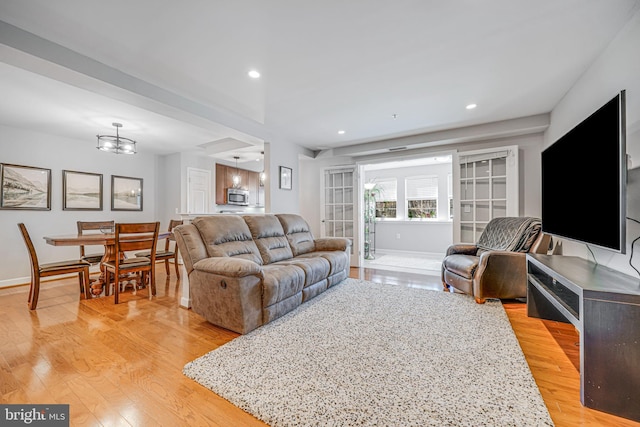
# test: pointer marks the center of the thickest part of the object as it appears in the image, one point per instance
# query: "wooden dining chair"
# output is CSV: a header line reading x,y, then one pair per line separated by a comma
x,y
167,254
101,226
39,271
128,238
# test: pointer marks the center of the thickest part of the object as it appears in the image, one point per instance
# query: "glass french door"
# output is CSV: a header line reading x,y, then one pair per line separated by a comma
x,y
487,189
338,198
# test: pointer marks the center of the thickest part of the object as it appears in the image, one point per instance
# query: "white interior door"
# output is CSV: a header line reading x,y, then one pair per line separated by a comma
x,y
339,206
198,190
486,188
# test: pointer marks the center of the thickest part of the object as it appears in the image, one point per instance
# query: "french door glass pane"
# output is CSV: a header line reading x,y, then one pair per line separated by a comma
x,y
467,212
348,195
328,195
348,212
466,233
499,188
482,189
482,211
482,168
348,229
466,190
499,209
499,167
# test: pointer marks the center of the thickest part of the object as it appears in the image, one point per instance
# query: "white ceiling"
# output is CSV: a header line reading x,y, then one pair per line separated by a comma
x,y
175,73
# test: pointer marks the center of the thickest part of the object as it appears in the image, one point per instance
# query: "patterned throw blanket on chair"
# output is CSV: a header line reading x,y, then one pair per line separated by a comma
x,y
515,234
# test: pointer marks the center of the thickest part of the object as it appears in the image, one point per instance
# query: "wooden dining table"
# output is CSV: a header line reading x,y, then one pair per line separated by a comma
x,y
108,240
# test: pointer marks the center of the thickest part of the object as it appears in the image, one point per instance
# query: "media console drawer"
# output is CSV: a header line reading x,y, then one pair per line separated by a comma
x,y
604,306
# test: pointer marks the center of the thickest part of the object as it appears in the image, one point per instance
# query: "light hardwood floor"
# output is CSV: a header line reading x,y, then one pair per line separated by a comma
x,y
121,364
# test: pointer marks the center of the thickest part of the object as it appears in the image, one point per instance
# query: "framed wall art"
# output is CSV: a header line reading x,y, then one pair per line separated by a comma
x,y
81,191
25,187
126,193
286,175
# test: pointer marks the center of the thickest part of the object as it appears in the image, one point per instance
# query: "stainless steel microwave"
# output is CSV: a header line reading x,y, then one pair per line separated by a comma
x,y
237,196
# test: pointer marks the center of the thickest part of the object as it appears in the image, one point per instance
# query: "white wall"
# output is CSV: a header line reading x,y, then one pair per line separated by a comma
x,y
617,68
28,148
278,154
169,179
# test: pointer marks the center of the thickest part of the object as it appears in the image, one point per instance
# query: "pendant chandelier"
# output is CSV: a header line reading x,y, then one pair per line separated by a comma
x,y
236,177
116,144
263,175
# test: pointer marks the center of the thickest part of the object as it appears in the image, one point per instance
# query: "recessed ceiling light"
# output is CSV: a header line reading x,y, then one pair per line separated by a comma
x,y
340,132
254,74
471,106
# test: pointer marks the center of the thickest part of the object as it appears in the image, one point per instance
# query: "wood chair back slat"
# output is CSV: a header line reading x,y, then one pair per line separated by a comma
x,y
92,226
54,269
134,237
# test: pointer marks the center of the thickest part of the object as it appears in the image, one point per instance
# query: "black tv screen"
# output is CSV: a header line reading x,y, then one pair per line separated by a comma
x,y
584,180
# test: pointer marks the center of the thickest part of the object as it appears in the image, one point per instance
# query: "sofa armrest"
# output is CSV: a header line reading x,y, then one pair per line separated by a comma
x,y
501,274
228,266
192,248
462,249
332,244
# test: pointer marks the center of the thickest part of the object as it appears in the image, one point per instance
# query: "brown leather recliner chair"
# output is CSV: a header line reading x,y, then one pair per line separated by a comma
x,y
495,267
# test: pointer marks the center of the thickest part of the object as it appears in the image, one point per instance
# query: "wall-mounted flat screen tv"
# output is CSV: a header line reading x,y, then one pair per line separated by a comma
x,y
584,180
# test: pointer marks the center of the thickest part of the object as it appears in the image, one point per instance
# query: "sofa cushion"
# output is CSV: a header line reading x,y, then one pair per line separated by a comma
x,y
281,282
338,260
298,233
227,236
315,269
269,237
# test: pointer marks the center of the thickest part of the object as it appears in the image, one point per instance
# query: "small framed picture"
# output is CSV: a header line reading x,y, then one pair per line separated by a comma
x,y
126,193
81,191
286,175
25,187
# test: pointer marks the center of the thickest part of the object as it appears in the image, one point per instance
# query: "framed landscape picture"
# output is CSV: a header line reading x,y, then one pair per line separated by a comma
x,y
286,175
25,187
126,193
81,191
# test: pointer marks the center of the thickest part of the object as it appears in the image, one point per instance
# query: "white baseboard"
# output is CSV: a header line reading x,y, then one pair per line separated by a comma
x,y
19,281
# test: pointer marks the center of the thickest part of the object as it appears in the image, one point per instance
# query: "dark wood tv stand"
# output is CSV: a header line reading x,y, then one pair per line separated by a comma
x,y
604,306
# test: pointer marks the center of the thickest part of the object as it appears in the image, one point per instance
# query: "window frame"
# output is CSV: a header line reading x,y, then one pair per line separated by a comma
x,y
434,199
381,199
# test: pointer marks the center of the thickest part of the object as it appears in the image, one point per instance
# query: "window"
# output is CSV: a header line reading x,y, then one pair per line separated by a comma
x,y
422,197
386,198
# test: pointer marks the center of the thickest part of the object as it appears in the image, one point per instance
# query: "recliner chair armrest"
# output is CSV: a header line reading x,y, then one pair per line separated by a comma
x,y
332,244
462,249
501,274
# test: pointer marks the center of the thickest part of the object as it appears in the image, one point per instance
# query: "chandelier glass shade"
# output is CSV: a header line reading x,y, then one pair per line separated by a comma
x,y
263,176
236,177
115,143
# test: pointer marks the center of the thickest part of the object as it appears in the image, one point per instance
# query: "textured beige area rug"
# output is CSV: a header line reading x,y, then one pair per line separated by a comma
x,y
366,354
